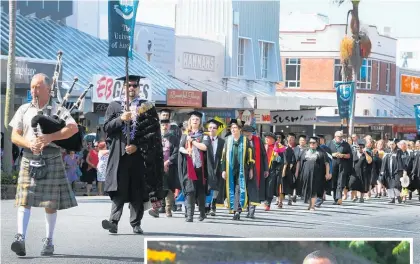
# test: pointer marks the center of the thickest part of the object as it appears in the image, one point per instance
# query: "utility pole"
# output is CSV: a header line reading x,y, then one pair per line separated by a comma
x,y
355,59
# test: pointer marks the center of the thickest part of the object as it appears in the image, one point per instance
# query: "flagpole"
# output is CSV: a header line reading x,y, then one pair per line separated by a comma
x,y
127,102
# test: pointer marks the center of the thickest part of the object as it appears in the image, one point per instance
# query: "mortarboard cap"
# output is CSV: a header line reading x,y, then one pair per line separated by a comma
x,y
302,136
133,78
196,113
214,121
320,136
248,128
165,121
314,138
395,140
270,134
291,135
238,122
361,142
166,110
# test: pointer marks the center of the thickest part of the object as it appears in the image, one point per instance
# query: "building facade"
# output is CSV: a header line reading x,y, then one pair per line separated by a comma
x,y
311,63
229,48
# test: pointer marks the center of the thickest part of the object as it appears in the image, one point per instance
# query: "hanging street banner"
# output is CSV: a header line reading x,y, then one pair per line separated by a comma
x,y
121,23
345,91
417,116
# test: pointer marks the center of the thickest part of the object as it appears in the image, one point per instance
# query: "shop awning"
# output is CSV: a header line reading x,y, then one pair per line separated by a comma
x,y
308,100
365,120
83,54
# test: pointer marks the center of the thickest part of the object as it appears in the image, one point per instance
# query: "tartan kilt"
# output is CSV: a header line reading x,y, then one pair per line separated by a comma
x,y
52,192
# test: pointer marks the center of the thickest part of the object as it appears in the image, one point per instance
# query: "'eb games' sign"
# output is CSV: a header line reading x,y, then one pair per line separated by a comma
x,y
106,88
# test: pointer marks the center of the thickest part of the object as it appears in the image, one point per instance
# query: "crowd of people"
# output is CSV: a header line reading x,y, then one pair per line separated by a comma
x,y
152,164
243,170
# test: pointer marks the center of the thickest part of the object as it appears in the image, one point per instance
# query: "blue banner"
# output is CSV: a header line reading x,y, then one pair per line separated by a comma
x,y
345,92
417,116
121,23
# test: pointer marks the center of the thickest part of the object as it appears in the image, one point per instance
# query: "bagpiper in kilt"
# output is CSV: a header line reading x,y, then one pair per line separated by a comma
x,y
49,187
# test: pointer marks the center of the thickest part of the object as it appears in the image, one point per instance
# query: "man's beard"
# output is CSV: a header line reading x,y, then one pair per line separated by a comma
x,y
131,94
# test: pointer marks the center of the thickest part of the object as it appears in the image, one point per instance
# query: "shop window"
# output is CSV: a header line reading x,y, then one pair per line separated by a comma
x,y
366,112
385,113
336,111
241,57
293,73
388,76
378,112
365,78
264,47
338,77
379,76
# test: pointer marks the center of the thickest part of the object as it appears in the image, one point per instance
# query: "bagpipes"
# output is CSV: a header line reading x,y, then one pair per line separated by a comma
x,y
51,124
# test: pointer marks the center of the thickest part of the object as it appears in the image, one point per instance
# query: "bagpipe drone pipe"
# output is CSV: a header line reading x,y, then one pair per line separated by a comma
x,y
57,122
51,124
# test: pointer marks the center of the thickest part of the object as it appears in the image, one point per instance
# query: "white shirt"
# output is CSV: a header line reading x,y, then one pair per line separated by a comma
x,y
214,141
23,117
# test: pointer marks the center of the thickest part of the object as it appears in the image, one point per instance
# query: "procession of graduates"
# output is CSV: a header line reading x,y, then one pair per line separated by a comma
x,y
242,170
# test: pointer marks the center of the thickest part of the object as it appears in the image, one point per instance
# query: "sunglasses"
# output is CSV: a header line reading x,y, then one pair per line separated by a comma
x,y
133,85
312,142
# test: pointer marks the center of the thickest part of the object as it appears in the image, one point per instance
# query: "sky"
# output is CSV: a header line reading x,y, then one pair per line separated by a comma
x,y
399,15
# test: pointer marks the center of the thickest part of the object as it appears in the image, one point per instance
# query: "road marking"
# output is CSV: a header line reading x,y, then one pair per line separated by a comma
x,y
369,227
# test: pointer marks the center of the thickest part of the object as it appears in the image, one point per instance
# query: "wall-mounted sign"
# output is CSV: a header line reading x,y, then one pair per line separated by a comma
x,y
220,113
184,98
100,107
25,70
106,88
410,84
262,116
287,118
198,62
377,128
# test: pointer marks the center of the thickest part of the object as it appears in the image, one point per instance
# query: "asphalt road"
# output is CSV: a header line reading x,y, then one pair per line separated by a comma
x,y
79,237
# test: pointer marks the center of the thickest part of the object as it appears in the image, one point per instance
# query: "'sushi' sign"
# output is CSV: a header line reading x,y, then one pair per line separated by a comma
x,y
184,98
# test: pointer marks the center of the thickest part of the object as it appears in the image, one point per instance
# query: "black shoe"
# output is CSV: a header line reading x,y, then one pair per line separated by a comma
x,y
189,219
111,227
294,199
202,217
237,216
213,212
399,199
137,230
18,246
392,201
361,200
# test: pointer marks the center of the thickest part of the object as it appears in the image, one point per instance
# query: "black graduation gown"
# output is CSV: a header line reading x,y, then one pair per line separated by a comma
x,y
415,173
392,170
327,183
408,161
171,179
341,168
188,185
273,181
313,174
298,180
360,178
149,152
213,157
376,169
261,163
290,161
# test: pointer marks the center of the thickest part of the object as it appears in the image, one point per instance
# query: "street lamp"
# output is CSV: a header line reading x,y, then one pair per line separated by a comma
x,y
352,51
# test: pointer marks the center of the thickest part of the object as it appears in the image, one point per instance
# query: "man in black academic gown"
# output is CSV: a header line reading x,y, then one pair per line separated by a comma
x,y
214,155
175,131
342,165
135,169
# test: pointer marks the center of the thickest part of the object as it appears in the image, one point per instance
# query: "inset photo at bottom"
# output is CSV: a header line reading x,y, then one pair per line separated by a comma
x,y
284,251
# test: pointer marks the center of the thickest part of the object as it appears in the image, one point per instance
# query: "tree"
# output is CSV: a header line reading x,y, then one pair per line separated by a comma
x,y
10,89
